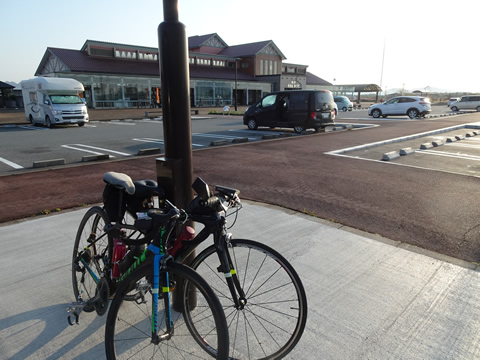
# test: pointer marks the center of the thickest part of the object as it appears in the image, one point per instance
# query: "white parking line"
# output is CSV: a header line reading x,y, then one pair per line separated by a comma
x,y
31,127
74,147
120,122
158,141
447,154
9,163
216,136
258,132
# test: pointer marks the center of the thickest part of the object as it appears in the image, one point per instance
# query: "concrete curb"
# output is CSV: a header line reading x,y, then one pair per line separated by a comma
x,y
95,157
47,163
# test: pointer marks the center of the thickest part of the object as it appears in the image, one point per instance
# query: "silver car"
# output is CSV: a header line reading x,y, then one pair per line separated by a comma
x,y
469,102
451,101
413,106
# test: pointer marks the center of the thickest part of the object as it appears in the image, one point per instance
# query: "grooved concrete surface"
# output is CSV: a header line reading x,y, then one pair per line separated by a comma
x,y
368,298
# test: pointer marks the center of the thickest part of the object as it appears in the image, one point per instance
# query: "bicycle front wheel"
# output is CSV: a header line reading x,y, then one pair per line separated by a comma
x,y
89,253
272,318
128,332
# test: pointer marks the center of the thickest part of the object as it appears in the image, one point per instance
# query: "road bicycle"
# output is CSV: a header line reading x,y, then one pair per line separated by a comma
x,y
142,321
262,295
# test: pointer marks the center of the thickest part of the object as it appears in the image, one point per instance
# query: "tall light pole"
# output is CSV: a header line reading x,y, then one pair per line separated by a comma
x,y
236,62
383,59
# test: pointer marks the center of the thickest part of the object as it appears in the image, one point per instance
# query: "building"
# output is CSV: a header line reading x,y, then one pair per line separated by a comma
x,y
119,75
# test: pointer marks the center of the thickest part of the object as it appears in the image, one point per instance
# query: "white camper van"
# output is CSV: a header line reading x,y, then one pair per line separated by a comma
x,y
53,101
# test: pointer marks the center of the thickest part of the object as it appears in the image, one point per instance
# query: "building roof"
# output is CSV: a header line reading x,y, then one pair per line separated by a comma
x,y
4,85
116,45
315,80
250,49
203,40
365,87
79,62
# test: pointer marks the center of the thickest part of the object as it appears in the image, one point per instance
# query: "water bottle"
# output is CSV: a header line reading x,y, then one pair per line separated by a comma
x,y
187,234
119,250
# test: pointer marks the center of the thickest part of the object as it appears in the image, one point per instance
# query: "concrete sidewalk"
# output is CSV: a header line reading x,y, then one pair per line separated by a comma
x,y
368,298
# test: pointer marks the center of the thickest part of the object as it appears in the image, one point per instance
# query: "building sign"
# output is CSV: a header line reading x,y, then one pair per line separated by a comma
x,y
294,84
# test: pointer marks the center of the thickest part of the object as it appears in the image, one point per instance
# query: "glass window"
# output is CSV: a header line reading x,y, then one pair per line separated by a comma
x,y
261,66
65,99
269,100
299,101
392,101
324,97
33,97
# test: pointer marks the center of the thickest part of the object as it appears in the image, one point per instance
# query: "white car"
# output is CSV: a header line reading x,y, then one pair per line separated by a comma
x,y
413,106
451,101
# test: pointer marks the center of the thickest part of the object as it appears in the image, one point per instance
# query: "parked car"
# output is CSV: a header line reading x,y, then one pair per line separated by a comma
x,y
451,101
299,109
468,102
343,103
413,106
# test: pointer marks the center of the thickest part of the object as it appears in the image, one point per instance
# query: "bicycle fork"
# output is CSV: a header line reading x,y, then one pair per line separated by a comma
x,y
75,308
230,273
160,278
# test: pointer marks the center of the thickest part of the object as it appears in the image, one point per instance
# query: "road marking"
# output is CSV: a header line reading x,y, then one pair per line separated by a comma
x,y
9,163
218,136
31,127
73,147
259,132
447,154
150,140
159,141
154,120
119,122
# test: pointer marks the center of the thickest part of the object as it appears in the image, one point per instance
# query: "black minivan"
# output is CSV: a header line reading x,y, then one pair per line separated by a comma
x,y
298,109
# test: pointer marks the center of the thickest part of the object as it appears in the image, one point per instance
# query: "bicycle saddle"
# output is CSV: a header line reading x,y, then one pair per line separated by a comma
x,y
120,180
147,188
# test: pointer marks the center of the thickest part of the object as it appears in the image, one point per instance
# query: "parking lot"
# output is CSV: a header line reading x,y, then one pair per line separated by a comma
x,y
453,149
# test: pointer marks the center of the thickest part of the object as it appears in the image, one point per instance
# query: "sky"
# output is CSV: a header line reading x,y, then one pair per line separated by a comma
x,y
405,44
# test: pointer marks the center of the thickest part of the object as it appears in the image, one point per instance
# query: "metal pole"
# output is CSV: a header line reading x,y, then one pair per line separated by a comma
x,y
236,84
175,171
175,79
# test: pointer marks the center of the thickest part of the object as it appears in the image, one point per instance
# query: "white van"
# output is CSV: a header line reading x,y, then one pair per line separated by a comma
x,y
467,102
53,101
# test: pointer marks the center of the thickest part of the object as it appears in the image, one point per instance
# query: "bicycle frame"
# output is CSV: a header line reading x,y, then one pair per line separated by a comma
x,y
160,259
217,228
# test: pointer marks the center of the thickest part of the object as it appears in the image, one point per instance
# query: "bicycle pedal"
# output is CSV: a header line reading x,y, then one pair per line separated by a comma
x,y
76,306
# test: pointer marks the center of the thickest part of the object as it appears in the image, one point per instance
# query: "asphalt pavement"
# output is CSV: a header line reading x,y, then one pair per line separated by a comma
x,y
368,297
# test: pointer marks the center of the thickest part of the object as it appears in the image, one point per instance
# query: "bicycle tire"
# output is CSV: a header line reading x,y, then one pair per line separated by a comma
x,y
90,233
128,326
274,316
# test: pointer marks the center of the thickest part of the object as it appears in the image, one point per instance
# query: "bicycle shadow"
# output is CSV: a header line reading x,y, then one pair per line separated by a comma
x,y
35,333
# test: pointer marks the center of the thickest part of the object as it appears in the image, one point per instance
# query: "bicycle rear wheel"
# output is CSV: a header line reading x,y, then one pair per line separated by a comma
x,y
129,323
89,253
273,318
